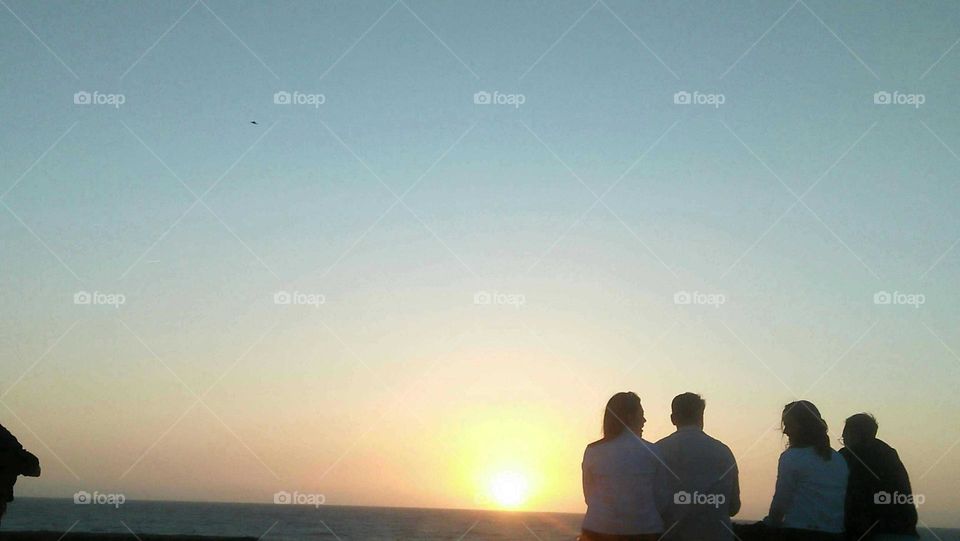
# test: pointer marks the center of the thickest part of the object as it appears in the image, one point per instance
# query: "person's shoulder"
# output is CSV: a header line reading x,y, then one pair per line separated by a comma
x,y
591,451
666,440
595,443
794,454
634,442
648,444
715,442
806,459
723,448
649,449
838,456
885,448
7,439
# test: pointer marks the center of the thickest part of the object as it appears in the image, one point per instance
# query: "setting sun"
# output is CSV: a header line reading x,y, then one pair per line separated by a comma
x,y
509,488
507,456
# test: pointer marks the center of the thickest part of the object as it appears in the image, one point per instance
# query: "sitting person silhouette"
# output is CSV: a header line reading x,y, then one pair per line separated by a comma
x,y
808,501
880,502
623,478
14,461
706,491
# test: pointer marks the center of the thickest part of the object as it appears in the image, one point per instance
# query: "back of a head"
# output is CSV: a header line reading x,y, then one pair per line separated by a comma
x,y
623,410
687,409
862,427
805,427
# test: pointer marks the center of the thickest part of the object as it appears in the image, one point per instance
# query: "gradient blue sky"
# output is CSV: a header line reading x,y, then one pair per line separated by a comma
x,y
391,392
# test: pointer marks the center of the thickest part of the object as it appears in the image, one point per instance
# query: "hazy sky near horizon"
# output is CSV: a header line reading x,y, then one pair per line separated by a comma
x,y
400,202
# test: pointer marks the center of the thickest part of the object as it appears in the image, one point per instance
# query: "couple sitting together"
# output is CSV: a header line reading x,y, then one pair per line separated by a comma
x,y
686,486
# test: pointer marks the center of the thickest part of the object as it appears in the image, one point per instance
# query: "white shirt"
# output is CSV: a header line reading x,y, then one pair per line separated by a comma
x,y
624,486
705,488
810,490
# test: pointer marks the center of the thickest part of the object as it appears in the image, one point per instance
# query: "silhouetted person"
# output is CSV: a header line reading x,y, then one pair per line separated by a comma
x,y
811,478
623,478
811,486
14,461
706,489
880,502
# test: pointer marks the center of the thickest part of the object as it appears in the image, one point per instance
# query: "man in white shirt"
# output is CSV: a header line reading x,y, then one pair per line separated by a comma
x,y
706,491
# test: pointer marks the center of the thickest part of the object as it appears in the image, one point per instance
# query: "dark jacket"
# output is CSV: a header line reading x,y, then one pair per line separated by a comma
x,y
14,461
9,464
879,497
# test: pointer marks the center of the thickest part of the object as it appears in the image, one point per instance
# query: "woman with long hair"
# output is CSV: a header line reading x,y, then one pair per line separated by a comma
x,y
811,479
624,481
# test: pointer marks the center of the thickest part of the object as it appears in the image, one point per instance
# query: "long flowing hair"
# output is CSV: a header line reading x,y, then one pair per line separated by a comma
x,y
804,426
623,411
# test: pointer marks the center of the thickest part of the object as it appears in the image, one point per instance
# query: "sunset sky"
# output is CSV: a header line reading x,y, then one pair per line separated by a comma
x,y
583,207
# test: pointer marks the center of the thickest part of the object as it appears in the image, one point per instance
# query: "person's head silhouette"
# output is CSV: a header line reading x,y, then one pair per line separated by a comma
x,y
805,427
623,412
687,410
859,428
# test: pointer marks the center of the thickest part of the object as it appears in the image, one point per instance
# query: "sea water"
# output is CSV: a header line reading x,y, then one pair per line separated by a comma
x,y
290,522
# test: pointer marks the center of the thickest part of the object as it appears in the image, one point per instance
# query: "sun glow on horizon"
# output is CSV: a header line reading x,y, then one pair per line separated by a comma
x,y
509,489
510,456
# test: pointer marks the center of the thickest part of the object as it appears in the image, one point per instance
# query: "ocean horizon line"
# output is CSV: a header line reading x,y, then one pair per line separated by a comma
x,y
353,506
399,507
